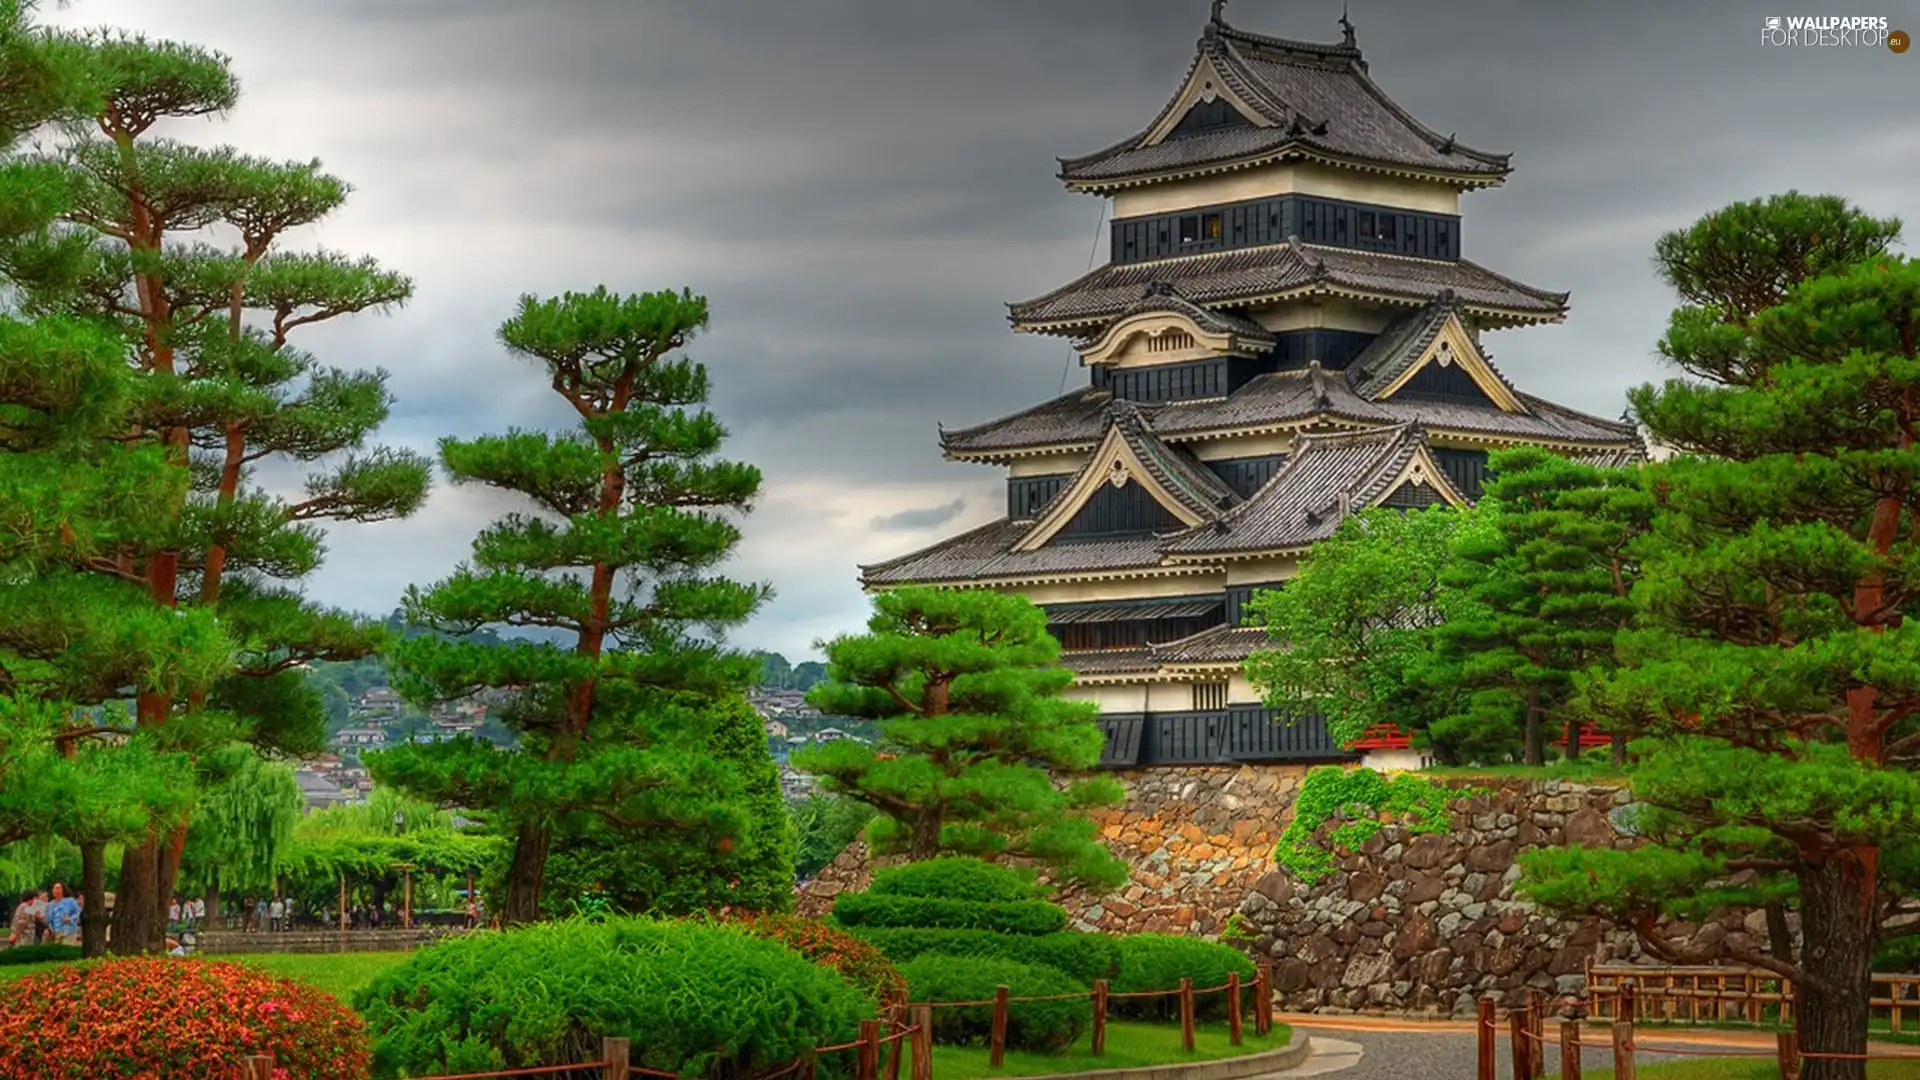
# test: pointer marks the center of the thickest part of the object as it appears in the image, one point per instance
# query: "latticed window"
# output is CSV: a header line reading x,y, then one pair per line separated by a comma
x,y
1167,342
1208,696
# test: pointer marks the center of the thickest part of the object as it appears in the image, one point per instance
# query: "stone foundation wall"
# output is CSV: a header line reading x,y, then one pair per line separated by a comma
x,y
225,942
1427,924
1198,839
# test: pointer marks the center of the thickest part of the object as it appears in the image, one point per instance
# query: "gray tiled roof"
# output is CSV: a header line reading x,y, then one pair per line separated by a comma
x,y
1195,485
984,553
1614,457
1318,99
1297,396
1398,347
1122,611
1109,661
1325,478
1245,275
1164,296
1222,644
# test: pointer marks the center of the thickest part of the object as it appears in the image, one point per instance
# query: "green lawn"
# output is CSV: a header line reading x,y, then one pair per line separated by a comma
x,y
339,974
1747,1069
1129,1045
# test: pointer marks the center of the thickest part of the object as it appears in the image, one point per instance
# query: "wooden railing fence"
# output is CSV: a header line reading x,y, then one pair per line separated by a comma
x,y
913,1039
1728,995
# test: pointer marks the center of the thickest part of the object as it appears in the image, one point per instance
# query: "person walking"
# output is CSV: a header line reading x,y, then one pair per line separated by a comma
x,y
277,915
63,917
20,930
39,917
260,917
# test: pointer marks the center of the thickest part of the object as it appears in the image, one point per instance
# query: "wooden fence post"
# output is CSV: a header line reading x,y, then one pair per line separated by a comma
x,y
1569,1050
867,1054
1263,1000
1186,1014
921,1017
1789,1055
259,1067
1488,1032
1233,1007
1623,1050
998,1055
1099,1017
899,1013
1517,1033
1537,1032
616,1052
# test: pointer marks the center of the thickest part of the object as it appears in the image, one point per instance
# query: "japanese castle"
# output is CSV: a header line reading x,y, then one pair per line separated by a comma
x,y
1285,334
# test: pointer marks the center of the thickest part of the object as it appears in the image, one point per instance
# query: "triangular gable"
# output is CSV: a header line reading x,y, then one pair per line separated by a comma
x,y
1206,83
1419,476
1115,462
1452,346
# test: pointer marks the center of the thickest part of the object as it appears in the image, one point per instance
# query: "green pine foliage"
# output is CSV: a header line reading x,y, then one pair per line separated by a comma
x,y
1771,669
1353,632
1039,1026
1546,582
1086,957
627,517
979,754
824,826
1160,961
958,879
694,999
1006,917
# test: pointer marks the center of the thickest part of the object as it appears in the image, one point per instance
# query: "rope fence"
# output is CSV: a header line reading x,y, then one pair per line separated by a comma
x,y
910,1042
1527,1040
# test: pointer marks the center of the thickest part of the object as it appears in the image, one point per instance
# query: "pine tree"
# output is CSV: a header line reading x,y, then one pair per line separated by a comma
x,y
1772,666
630,520
967,688
1547,581
206,329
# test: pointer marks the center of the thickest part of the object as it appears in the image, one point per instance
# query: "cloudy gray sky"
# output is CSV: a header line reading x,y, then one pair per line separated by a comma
x,y
860,185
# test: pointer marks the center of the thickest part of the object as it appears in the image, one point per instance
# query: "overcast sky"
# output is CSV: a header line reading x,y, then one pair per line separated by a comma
x,y
859,186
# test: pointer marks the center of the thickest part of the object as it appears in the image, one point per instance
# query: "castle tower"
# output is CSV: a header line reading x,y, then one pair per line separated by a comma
x,y
1285,334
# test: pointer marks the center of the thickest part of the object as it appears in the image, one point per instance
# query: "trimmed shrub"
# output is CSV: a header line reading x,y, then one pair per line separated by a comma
x,y
165,1018
857,961
1086,957
697,999
1007,917
1043,1026
958,879
1160,961
38,954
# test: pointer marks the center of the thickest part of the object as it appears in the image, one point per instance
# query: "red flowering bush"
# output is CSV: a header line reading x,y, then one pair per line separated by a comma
x,y
163,1018
847,956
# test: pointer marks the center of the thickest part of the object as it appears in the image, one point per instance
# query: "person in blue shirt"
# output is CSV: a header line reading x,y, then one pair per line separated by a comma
x,y
63,916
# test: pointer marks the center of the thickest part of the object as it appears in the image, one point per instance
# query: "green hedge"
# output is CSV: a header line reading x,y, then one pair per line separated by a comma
x,y
1007,917
1086,957
1160,961
1044,1026
958,879
695,999
38,954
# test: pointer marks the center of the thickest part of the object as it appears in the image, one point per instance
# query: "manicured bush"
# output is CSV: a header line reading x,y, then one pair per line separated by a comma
x,y
1043,1026
695,998
1086,957
1007,917
857,961
38,954
1160,961
165,1018
958,879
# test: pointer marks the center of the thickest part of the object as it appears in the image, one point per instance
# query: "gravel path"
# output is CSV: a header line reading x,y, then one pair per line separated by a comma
x,y
1422,1055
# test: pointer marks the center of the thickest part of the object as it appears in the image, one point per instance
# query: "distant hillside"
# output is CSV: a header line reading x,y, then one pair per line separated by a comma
x,y
778,674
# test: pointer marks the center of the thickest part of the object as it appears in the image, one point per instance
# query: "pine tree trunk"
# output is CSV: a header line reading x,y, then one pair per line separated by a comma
x,y
925,842
1836,897
1536,736
213,907
169,875
1619,749
138,915
93,900
525,874
1573,742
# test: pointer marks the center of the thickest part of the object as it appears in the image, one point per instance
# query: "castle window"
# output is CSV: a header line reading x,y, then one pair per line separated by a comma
x,y
1190,229
1209,696
1210,227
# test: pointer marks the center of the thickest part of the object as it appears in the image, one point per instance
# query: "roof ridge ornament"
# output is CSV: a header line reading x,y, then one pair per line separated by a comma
x,y
1219,10
1446,146
1346,27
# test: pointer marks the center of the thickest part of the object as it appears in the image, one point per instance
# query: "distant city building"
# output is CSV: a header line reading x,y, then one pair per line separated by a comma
x,y
318,791
360,736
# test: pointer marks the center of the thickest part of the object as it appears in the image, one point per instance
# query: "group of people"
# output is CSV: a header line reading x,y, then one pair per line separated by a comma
x,y
45,917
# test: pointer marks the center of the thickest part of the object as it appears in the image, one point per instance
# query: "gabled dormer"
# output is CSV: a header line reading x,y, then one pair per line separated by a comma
x,y
1132,485
1166,348
1431,355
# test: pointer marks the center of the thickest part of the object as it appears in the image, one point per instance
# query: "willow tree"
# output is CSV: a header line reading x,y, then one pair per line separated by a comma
x,y
242,822
629,517
221,390
1775,665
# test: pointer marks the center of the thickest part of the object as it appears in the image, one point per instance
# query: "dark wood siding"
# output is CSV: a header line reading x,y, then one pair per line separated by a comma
x,y
1120,511
1124,741
1466,468
1335,349
1246,475
1131,634
1412,497
1239,596
1027,494
1450,383
1209,116
1167,382
1235,734
1257,222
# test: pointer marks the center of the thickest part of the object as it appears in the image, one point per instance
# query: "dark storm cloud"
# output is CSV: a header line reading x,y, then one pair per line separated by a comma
x,y
859,187
915,520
